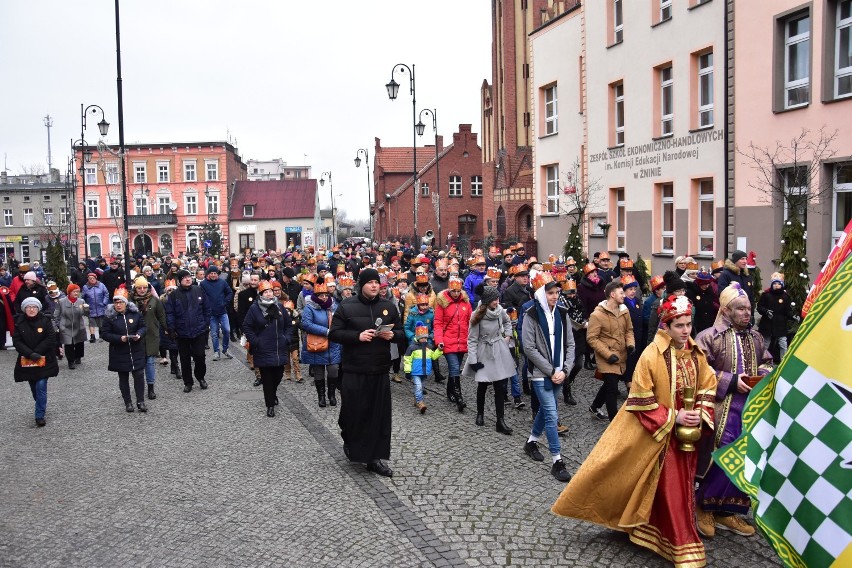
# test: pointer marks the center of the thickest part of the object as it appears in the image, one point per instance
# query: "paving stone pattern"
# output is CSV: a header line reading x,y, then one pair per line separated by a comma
x,y
206,479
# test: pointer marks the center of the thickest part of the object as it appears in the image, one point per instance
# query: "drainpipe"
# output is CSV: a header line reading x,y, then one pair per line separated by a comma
x,y
729,7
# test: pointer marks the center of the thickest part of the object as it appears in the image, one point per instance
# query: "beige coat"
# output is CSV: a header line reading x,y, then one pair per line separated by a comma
x,y
610,333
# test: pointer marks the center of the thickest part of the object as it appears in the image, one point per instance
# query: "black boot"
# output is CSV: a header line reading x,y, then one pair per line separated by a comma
x,y
320,385
175,365
460,403
568,394
151,394
439,378
587,362
501,427
332,387
451,390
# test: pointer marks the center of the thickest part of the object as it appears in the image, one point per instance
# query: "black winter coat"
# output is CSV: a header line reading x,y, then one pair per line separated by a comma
x,y
188,312
268,336
516,296
130,356
355,315
778,302
36,335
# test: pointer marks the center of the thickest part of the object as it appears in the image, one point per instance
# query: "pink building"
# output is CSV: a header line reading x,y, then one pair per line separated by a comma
x,y
173,191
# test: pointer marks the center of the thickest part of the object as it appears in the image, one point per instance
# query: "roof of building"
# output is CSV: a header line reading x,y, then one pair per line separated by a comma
x,y
401,160
275,199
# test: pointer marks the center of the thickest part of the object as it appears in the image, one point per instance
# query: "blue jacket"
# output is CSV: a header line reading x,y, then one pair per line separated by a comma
x,y
269,338
188,312
415,316
473,280
97,297
315,321
418,359
220,295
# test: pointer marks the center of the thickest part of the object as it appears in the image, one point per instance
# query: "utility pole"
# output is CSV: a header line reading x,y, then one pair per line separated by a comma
x,y
48,122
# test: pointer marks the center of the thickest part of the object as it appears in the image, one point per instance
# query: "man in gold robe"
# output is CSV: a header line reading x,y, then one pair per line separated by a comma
x,y
639,477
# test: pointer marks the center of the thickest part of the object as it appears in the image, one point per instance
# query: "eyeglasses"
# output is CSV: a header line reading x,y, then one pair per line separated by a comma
x,y
422,305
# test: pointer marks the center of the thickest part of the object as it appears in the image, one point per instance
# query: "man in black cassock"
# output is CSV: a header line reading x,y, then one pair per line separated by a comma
x,y
365,409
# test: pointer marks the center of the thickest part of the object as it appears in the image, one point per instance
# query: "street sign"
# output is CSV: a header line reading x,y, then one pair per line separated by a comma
x,y
208,243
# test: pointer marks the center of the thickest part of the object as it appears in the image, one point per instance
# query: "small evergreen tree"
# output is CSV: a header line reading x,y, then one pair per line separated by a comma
x,y
644,276
55,264
574,245
211,233
794,263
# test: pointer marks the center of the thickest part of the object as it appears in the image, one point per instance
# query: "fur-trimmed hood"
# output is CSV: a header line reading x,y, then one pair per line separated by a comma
x,y
734,268
111,313
443,298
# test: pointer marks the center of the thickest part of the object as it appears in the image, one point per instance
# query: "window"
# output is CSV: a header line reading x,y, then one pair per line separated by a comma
x,y
706,217
163,205
6,199
665,10
476,186
189,171
843,50
94,246
163,172
796,187
842,198
190,204
141,205
248,211
26,199
213,204
114,207
551,176
455,186
797,45
705,90
63,215
424,190
28,217
246,241
666,101
92,208
91,174
140,174
47,213
618,113
620,219
617,22
8,218
467,225
667,218
551,114
212,167
112,174
45,198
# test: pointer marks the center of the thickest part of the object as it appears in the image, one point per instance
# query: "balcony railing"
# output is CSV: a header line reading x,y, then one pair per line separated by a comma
x,y
159,220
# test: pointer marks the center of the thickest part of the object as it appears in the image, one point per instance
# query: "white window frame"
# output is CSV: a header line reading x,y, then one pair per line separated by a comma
x,y
551,186
704,197
64,215
190,204
665,10
843,26
248,210
140,204
455,186
839,188
111,173
424,189
114,206
28,217
666,96
551,110
211,165
47,213
476,186
163,172
94,239
212,203
163,202
115,244
620,214
799,190
140,172
617,21
190,171
93,207
667,201
90,171
8,218
619,114
705,74
798,40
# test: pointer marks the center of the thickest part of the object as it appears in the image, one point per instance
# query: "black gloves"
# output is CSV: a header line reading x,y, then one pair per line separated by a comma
x,y
631,349
612,359
35,356
477,366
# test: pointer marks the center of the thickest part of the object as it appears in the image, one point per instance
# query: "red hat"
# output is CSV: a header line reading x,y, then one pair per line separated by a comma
x,y
751,261
71,288
674,306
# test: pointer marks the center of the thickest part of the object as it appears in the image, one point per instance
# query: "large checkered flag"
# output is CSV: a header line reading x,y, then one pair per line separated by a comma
x,y
795,453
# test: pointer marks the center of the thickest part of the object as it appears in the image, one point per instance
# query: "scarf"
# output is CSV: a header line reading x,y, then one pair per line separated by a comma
x,y
269,307
72,299
555,355
324,304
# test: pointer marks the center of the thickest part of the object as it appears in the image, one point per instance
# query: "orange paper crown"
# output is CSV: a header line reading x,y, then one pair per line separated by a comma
x,y
455,284
493,272
540,279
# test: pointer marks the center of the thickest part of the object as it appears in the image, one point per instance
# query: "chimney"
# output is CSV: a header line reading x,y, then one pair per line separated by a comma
x,y
54,175
4,177
439,141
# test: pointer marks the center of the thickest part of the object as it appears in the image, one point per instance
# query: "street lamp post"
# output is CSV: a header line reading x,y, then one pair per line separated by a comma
x,y
333,239
122,151
420,127
393,89
103,128
369,189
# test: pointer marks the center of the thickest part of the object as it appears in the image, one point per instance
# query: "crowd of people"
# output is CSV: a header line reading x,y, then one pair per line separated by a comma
x,y
682,344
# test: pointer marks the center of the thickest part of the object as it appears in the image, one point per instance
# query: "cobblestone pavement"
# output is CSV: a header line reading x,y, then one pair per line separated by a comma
x,y
206,479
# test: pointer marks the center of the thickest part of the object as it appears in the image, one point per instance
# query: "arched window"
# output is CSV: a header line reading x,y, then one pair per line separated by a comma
x,y
165,244
115,244
94,246
501,222
467,225
192,242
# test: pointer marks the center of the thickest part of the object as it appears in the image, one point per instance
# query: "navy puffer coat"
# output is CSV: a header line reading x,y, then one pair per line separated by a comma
x,y
188,311
129,356
268,335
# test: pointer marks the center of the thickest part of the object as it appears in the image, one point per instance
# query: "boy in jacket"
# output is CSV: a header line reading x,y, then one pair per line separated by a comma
x,y
418,362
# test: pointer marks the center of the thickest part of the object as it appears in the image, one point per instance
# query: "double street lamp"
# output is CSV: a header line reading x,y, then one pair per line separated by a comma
x,y
369,190
103,128
420,128
323,177
393,90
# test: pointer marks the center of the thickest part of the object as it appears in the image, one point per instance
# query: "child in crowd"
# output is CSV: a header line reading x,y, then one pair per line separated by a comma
x,y
418,362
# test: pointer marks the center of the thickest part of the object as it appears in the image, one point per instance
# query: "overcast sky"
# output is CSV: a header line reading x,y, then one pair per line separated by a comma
x,y
283,78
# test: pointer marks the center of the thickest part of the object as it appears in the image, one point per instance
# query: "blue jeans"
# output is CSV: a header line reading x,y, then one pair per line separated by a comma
x,y
546,417
215,323
418,387
516,385
150,369
39,388
454,363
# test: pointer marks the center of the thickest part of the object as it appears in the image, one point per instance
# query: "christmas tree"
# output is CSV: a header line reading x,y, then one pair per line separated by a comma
x,y
574,245
55,265
643,277
794,263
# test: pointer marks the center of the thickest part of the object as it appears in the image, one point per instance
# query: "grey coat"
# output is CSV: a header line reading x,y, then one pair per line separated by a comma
x,y
536,344
68,319
487,344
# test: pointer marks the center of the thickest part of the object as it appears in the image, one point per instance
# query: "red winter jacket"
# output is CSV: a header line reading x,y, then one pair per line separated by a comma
x,y
452,320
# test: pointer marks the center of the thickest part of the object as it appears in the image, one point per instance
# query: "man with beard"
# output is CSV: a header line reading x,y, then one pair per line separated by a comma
x,y
188,319
245,299
365,412
736,352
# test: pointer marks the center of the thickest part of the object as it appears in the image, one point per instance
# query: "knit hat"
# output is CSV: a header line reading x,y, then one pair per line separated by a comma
x,y
704,275
420,331
71,288
736,255
368,275
31,301
31,276
212,268
673,282
140,281
776,277
288,272
489,294
181,274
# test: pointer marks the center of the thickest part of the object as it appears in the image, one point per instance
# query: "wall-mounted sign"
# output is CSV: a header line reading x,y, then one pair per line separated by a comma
x,y
246,228
293,229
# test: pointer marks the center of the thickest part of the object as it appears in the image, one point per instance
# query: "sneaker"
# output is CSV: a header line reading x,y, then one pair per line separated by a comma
x,y
216,356
227,355
395,378
735,524
559,472
598,414
706,522
421,406
531,449
519,403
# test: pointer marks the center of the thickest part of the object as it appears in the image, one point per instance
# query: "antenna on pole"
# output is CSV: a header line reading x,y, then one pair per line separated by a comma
x,y
48,122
